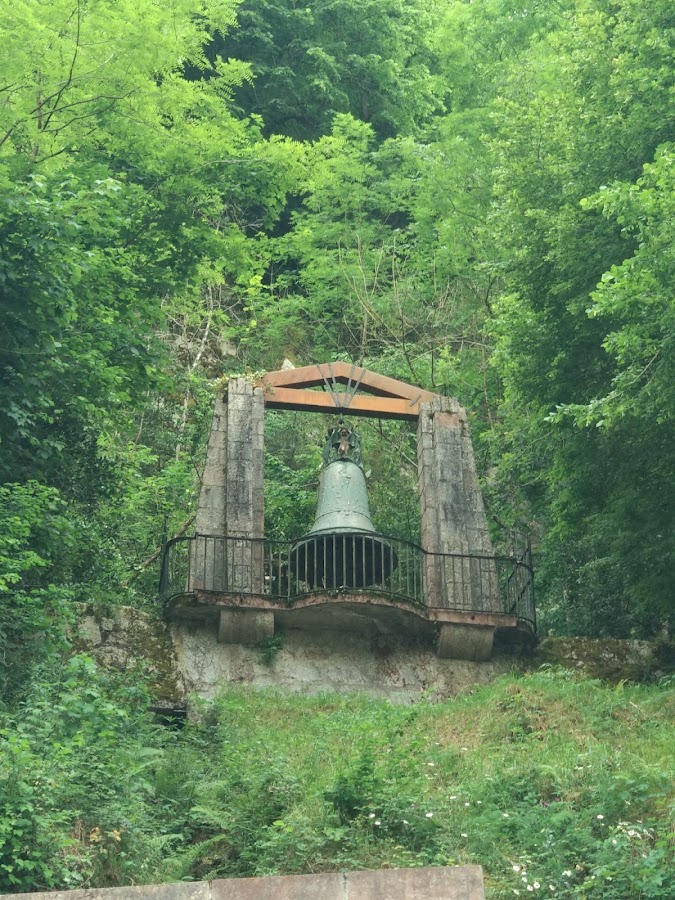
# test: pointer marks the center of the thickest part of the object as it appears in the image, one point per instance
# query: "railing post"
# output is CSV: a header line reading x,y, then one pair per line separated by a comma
x,y
164,574
530,574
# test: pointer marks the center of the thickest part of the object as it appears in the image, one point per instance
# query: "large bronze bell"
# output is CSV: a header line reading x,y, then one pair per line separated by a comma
x,y
342,550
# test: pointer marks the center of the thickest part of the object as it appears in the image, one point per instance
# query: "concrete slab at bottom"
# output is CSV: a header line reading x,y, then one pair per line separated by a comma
x,y
197,890
282,887
442,883
447,883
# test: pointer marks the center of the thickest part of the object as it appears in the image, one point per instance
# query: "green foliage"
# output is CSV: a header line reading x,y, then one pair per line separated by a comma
x,y
293,445
545,779
515,777
370,58
576,358
77,300
635,298
75,784
129,198
475,197
269,648
33,531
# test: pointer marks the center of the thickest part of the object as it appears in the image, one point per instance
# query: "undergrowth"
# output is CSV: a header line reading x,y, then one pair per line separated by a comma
x,y
555,785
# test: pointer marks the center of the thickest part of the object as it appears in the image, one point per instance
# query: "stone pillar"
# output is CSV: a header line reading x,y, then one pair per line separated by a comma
x,y
211,509
231,497
207,566
452,512
427,488
244,512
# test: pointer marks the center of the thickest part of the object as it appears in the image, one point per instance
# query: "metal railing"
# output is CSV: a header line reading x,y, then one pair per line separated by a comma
x,y
283,571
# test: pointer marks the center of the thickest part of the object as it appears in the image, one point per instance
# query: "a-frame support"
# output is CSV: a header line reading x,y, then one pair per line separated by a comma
x,y
389,398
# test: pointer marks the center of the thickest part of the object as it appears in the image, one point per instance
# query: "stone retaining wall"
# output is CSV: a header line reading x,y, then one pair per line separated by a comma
x,y
186,658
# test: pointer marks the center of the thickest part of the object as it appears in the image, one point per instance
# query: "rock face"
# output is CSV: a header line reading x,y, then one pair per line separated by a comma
x,y
121,637
442,883
186,658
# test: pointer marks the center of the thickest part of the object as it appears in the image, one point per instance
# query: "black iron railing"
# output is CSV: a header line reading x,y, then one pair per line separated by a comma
x,y
283,571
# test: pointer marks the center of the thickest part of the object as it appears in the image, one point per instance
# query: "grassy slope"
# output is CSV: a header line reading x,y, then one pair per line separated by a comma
x,y
547,781
555,785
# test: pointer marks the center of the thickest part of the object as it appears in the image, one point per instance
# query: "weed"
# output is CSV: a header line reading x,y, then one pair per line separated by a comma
x,y
269,648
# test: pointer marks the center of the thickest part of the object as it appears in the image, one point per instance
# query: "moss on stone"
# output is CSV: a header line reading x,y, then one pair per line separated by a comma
x,y
609,659
130,640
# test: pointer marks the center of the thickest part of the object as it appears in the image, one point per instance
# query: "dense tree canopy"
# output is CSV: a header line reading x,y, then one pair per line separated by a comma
x,y
476,197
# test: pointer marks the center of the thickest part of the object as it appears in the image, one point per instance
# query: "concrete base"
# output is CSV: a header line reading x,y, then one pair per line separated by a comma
x,y
463,634
460,641
443,883
245,626
311,662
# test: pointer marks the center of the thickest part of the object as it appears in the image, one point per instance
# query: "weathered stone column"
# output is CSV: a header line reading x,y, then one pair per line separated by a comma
x,y
207,552
244,513
231,497
427,487
452,512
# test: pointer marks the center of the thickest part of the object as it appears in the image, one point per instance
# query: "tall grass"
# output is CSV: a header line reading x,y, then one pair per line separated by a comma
x,y
556,785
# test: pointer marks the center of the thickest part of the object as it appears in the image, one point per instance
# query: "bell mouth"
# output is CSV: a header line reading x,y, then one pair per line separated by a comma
x,y
339,560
